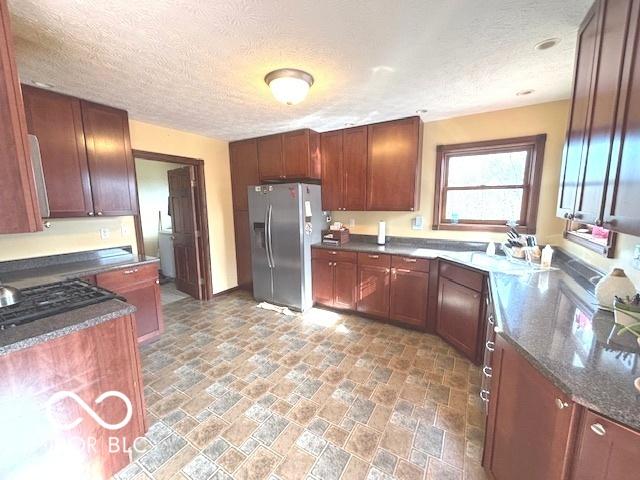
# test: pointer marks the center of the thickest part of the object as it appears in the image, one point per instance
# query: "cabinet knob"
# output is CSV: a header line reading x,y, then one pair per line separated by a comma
x,y
598,222
410,260
374,256
561,404
487,371
491,320
157,282
491,346
90,214
387,270
333,253
568,216
598,429
484,395
99,214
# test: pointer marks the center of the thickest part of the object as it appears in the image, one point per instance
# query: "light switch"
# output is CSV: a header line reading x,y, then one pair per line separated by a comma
x,y
105,233
352,222
417,223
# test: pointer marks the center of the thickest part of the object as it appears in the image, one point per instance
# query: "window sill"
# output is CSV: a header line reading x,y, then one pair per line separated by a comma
x,y
481,227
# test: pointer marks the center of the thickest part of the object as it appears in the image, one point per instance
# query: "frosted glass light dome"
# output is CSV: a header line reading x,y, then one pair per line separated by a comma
x,y
289,85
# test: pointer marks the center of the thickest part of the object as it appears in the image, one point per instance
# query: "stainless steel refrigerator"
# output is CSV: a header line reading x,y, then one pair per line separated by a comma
x,y
284,220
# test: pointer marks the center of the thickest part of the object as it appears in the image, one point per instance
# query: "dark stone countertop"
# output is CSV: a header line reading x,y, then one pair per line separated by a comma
x,y
551,318
49,328
54,268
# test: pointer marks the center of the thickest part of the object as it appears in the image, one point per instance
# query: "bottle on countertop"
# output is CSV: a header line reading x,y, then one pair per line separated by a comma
x,y
382,233
491,249
547,255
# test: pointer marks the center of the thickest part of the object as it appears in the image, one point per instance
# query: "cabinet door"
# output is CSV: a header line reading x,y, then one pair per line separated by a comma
x,y
409,297
243,158
111,167
354,169
57,122
243,248
529,423
322,281
270,163
623,192
614,20
393,170
459,316
331,149
148,315
345,285
606,450
373,290
579,114
17,185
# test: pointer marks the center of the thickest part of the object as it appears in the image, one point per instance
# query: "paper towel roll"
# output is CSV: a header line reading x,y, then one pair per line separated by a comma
x,y
382,232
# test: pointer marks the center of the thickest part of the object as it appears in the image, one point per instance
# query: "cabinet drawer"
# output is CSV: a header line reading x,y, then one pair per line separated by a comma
x,y
411,263
462,276
334,255
375,259
116,279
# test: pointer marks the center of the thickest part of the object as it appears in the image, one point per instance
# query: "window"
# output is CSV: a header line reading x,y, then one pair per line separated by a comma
x,y
483,185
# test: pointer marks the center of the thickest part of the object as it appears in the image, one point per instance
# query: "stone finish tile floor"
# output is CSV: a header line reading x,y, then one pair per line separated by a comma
x,y
233,391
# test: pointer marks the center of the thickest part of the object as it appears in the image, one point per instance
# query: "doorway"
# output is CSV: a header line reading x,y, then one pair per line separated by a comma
x,y
172,222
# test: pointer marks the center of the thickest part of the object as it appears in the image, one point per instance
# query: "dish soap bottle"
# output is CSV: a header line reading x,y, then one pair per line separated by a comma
x,y
547,255
382,232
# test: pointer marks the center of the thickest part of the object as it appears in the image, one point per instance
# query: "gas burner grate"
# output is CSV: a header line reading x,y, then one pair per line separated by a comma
x,y
47,300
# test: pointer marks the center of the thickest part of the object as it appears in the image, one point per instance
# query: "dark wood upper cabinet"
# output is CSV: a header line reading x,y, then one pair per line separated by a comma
x,y
270,159
301,155
600,181
111,167
331,145
579,114
621,211
56,120
606,450
243,157
530,422
393,168
354,169
17,185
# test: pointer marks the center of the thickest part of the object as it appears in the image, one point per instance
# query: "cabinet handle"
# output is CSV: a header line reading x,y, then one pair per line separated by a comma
x,y
374,256
333,253
387,270
410,260
157,281
561,404
491,346
90,214
484,395
491,320
402,270
598,429
129,272
599,222
568,216
487,371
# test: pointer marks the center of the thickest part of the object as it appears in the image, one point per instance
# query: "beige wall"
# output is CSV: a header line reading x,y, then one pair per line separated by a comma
x,y
549,118
215,154
153,193
71,235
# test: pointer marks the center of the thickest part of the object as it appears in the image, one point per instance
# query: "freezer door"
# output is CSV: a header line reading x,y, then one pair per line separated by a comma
x,y
286,244
260,262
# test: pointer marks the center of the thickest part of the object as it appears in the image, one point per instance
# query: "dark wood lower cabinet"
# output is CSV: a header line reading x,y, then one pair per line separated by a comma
x,y
373,290
345,277
139,286
409,297
606,450
530,422
322,278
459,318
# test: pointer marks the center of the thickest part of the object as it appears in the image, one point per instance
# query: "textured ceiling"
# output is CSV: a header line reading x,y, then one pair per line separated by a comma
x,y
199,65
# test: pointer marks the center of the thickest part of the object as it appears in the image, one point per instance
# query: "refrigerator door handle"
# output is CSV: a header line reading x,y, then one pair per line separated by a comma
x,y
269,244
266,236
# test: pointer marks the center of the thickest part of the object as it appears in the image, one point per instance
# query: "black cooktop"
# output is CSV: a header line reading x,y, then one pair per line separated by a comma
x,y
47,300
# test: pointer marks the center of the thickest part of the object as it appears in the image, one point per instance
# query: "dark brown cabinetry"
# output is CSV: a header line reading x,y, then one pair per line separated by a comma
x,y
374,276
334,278
460,318
17,185
393,165
344,169
409,291
606,450
530,422
289,156
139,286
56,120
243,248
595,185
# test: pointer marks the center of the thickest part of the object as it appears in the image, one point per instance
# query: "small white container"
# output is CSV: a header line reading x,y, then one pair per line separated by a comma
x,y
382,232
547,256
491,249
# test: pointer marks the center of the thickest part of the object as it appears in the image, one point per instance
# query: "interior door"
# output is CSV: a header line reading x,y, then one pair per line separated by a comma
x,y
286,244
185,233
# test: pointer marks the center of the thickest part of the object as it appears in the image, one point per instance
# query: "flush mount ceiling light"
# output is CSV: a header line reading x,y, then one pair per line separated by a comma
x,y
547,44
522,93
289,85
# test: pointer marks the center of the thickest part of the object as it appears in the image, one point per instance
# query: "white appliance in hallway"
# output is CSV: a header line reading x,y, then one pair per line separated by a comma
x,y
165,252
284,221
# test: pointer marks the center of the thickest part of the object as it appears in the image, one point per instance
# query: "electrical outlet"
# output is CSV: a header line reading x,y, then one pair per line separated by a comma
x,y
105,233
124,230
352,222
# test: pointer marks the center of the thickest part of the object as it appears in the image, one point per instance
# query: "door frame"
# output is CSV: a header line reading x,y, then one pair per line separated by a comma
x,y
204,257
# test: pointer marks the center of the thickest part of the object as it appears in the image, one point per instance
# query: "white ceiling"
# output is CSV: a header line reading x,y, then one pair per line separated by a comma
x,y
199,65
